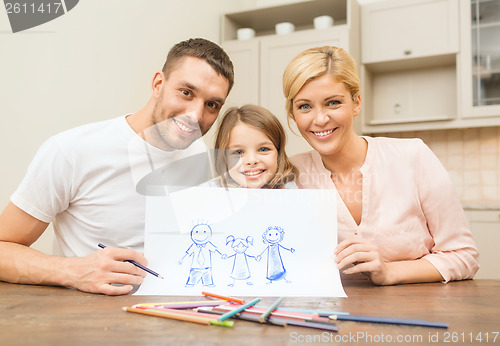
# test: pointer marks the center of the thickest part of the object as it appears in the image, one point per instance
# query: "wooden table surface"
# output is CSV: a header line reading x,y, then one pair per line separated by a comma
x,y
37,315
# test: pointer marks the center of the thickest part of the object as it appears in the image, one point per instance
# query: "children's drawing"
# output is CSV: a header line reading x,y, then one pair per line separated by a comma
x,y
275,268
209,236
241,270
201,252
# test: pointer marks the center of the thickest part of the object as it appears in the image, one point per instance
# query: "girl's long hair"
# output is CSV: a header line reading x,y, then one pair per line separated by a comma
x,y
263,120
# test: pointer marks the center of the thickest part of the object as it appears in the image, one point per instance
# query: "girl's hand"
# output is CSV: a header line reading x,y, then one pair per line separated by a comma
x,y
364,257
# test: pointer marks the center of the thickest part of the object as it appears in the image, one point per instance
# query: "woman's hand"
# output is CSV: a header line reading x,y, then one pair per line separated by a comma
x,y
364,257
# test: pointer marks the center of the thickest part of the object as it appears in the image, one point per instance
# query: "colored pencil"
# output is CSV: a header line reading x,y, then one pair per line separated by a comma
x,y
242,316
183,312
229,299
322,313
241,308
276,313
389,320
179,316
283,322
266,314
181,305
138,265
312,324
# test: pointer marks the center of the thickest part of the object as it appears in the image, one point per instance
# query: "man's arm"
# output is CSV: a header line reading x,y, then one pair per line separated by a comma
x,y
95,273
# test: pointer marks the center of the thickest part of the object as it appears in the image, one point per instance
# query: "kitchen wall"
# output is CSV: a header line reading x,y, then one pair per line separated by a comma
x,y
472,158
96,62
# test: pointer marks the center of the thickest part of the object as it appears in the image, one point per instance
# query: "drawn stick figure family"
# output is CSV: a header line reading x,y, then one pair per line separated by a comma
x,y
202,248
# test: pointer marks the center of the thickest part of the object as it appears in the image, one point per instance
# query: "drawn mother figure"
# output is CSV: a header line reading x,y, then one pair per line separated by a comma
x,y
275,268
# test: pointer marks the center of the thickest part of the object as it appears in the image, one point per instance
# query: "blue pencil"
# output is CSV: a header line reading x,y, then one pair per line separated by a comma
x,y
389,320
102,246
241,308
321,313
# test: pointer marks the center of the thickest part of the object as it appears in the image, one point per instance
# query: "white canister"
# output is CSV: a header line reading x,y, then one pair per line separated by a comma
x,y
284,28
245,33
322,22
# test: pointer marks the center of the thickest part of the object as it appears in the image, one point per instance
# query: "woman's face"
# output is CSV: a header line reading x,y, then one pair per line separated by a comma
x,y
324,111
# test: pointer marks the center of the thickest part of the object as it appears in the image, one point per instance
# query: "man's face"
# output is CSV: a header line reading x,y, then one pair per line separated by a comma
x,y
201,234
187,105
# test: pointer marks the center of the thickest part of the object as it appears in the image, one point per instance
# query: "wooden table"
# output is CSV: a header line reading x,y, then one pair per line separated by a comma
x,y
37,315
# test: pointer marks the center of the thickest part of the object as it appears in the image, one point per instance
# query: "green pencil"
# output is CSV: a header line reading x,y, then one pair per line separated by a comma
x,y
265,315
241,308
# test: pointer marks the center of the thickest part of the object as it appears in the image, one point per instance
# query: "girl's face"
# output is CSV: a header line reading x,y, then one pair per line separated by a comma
x,y
324,111
253,158
240,246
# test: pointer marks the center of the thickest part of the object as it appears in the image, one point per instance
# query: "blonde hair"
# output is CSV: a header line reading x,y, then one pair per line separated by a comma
x,y
316,62
263,120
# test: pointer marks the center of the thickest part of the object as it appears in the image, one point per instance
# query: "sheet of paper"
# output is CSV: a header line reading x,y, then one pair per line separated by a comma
x,y
242,242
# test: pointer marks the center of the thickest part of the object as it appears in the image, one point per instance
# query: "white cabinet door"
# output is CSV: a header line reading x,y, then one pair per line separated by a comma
x,y
245,58
413,96
399,29
485,226
276,53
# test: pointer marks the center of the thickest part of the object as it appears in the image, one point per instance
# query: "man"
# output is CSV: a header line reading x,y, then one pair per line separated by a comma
x,y
84,180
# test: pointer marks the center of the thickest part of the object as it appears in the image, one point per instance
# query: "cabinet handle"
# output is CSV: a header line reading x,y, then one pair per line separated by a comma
x,y
407,52
397,108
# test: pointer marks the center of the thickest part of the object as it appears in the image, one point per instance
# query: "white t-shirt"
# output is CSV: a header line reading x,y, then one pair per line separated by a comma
x,y
84,181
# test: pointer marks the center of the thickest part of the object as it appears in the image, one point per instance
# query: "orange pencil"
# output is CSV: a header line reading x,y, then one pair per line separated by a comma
x,y
229,299
179,316
181,312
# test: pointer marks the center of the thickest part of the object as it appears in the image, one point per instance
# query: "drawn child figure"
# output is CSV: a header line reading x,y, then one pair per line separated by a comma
x,y
201,251
241,270
250,151
275,268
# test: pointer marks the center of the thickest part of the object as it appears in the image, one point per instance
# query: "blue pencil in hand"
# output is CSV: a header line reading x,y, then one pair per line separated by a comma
x,y
102,246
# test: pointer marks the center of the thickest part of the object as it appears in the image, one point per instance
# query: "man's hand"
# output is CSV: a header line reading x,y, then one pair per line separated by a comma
x,y
105,271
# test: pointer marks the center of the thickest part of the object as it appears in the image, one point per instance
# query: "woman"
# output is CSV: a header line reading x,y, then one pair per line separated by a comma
x,y
399,219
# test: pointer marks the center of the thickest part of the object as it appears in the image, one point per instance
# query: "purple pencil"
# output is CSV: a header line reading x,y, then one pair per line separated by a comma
x,y
182,305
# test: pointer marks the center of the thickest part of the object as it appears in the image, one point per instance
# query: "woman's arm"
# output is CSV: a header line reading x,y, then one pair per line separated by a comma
x,y
365,258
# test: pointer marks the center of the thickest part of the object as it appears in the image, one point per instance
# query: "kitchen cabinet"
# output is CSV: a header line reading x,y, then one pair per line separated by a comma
x,y
259,62
485,226
409,65
429,65
402,29
481,59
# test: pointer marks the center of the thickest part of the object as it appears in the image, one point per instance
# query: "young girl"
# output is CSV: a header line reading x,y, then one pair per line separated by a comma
x,y
250,150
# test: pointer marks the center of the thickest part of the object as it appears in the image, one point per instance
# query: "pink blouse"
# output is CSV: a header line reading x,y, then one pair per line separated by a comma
x,y
409,207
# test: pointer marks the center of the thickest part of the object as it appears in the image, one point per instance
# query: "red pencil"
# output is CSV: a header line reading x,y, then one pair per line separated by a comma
x,y
229,299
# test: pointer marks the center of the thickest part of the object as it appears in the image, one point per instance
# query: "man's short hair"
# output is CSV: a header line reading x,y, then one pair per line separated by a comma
x,y
203,49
